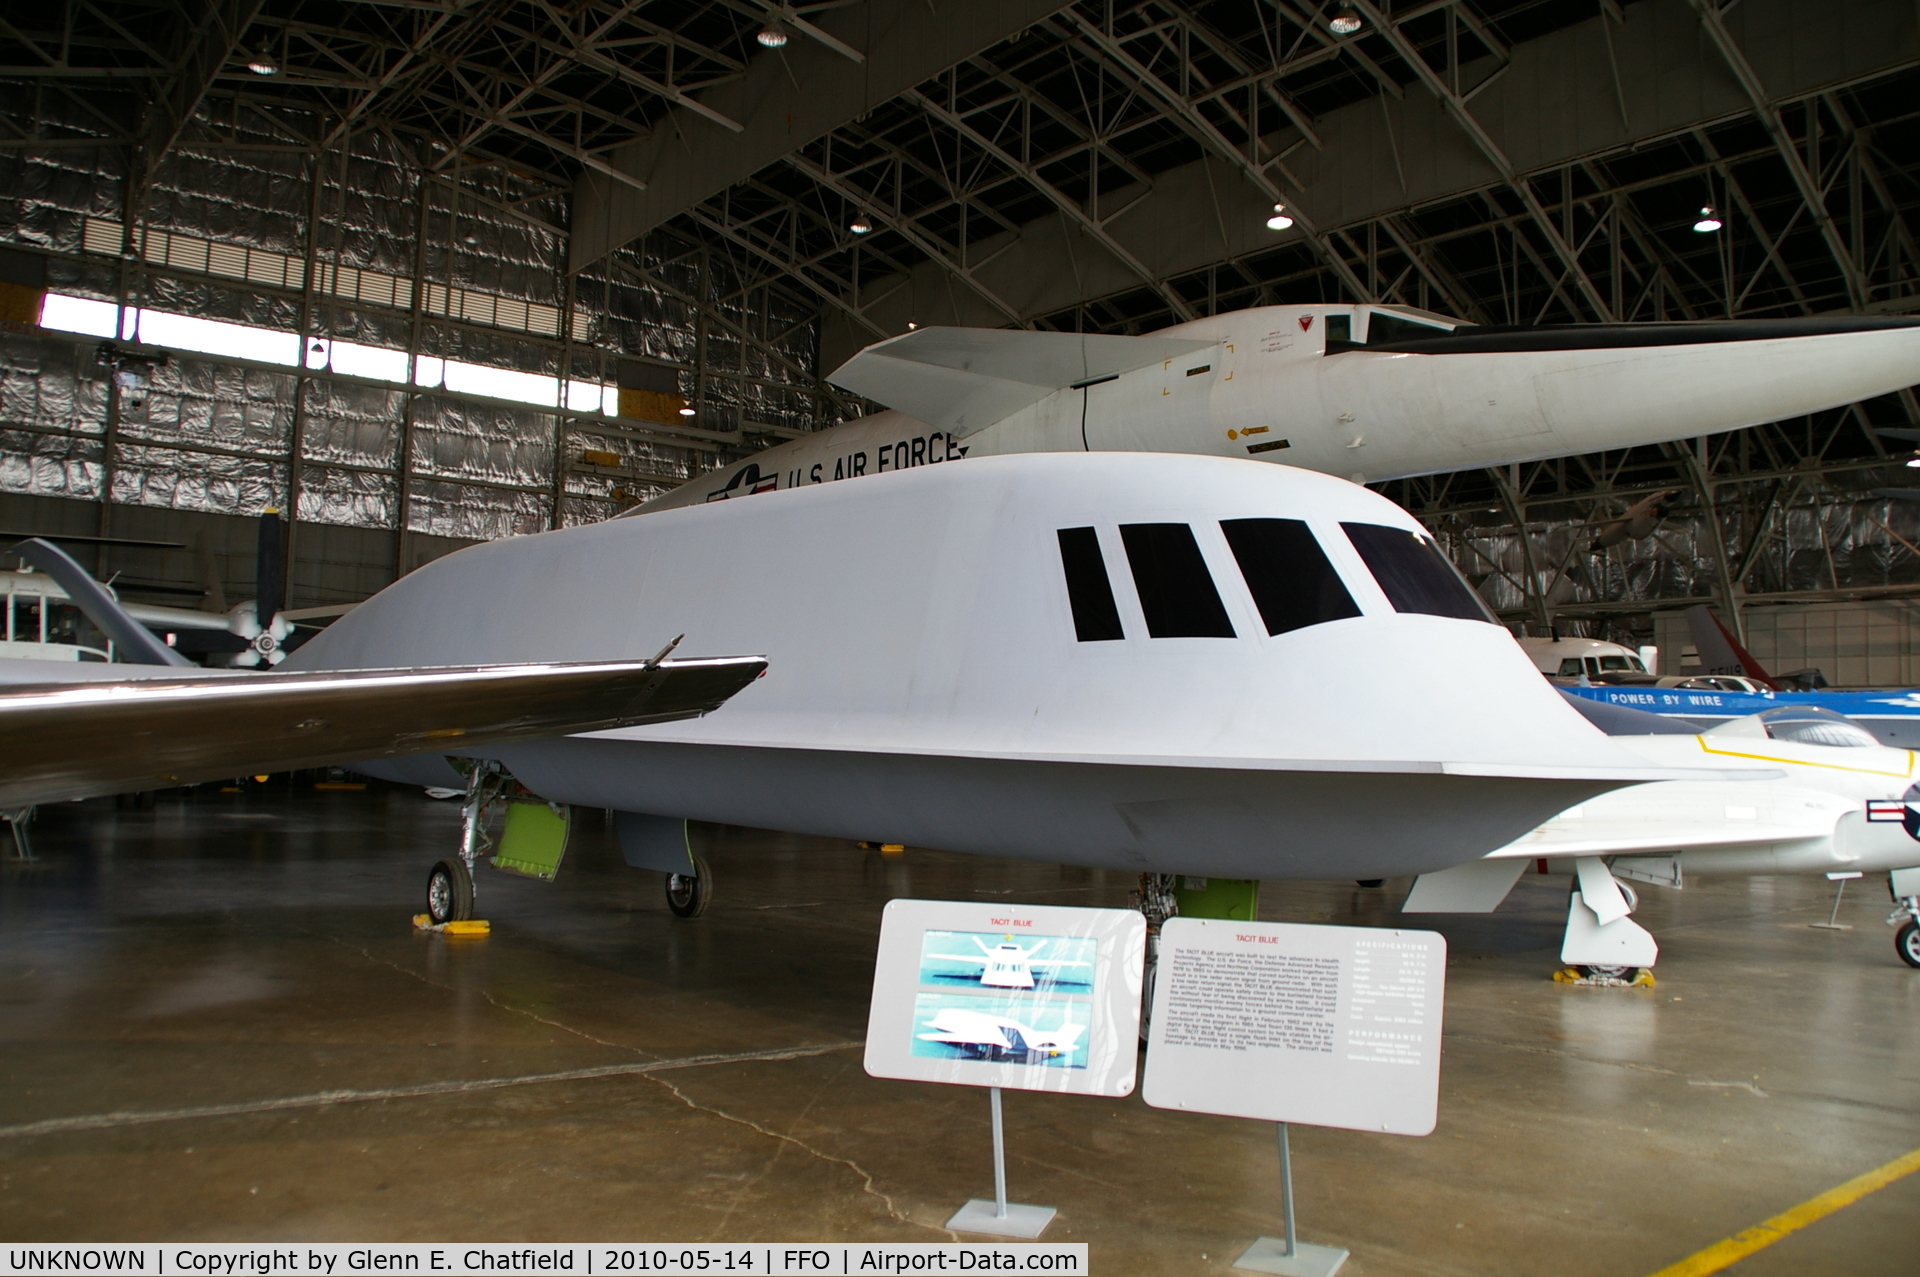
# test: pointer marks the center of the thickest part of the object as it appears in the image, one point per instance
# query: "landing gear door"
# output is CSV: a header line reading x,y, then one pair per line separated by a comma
x,y
654,842
533,839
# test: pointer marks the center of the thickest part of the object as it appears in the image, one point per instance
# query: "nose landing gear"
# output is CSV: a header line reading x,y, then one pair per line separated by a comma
x,y
450,886
449,893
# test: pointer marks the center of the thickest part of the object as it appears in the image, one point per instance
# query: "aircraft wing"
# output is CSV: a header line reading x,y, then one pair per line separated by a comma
x,y
82,739
958,957
1680,815
962,379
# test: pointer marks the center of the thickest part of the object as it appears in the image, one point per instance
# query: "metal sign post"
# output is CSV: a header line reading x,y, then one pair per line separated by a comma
x,y
1288,1255
1833,922
998,1217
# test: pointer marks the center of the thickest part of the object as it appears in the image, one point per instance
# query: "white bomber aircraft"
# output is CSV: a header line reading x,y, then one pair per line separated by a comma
x,y
1145,662
1837,801
1365,392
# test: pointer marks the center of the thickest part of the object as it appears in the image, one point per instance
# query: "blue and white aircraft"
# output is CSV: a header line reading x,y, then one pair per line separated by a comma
x,y
1731,684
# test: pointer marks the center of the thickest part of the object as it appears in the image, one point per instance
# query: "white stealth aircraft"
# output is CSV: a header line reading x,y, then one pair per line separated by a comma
x,y
1161,663
997,1037
1010,966
1364,392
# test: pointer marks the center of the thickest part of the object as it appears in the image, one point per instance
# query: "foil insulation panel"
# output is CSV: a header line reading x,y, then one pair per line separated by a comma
x,y
1823,535
211,436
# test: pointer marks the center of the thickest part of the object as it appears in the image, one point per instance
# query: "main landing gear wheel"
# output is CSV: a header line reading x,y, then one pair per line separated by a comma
x,y
449,892
688,895
1906,943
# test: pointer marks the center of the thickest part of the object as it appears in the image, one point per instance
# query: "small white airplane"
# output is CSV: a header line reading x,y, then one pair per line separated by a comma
x,y
1837,801
995,1037
1008,966
42,617
1365,392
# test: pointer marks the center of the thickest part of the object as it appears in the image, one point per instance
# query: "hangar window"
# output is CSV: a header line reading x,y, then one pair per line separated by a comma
x,y
1176,591
1413,574
1095,619
1292,583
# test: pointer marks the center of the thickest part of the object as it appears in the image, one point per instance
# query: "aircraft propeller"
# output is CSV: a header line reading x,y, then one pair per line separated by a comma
x,y
262,626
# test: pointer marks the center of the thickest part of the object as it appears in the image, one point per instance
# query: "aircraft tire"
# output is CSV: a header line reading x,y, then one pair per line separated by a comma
x,y
688,895
450,892
1906,942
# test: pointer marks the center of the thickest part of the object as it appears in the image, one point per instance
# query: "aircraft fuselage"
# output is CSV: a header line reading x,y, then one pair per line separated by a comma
x,y
1267,385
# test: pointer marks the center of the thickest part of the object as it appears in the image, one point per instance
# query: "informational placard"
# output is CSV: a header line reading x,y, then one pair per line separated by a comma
x,y
1029,997
1322,1026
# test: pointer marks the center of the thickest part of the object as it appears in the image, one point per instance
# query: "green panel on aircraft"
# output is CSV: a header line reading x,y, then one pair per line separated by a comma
x,y
534,840
1237,899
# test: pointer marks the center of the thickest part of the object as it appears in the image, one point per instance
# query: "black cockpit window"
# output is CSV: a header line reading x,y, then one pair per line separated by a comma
x,y
1339,327
1176,591
1413,574
1292,583
1095,619
1384,329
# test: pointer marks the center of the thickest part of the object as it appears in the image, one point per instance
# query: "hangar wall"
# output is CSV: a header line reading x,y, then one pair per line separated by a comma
x,y
252,229
1855,644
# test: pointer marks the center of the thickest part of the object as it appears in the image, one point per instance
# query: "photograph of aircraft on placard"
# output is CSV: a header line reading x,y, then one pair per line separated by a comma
x,y
975,1028
1001,962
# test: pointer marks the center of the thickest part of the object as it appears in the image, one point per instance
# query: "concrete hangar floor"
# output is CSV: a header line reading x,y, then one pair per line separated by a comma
x,y
188,990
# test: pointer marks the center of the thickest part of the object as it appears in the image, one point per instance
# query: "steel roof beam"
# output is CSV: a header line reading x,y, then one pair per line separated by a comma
x,y
1769,114
1196,125
786,99
197,57
1068,206
905,227
1457,106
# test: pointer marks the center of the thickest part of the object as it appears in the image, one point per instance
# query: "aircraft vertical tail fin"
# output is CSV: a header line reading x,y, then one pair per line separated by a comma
x,y
1720,652
134,643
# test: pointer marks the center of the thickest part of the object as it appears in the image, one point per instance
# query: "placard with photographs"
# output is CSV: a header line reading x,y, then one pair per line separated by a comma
x,y
1031,997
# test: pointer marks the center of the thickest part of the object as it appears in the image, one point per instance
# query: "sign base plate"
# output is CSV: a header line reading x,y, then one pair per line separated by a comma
x,y
1269,1255
978,1216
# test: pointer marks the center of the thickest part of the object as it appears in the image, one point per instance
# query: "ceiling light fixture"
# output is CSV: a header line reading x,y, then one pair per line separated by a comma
x,y
1280,219
262,63
772,36
686,412
860,225
1709,220
911,324
1346,22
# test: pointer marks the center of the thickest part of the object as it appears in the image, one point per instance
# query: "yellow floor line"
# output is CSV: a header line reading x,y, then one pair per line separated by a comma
x,y
1724,1254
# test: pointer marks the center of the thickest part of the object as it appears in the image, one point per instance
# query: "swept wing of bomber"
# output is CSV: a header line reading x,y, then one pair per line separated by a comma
x,y
1165,663
1364,392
